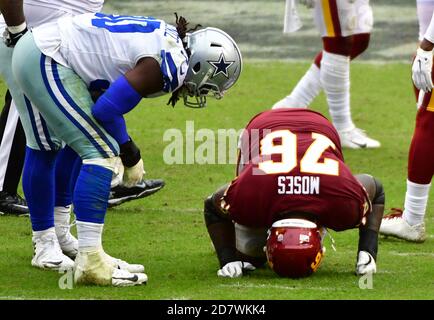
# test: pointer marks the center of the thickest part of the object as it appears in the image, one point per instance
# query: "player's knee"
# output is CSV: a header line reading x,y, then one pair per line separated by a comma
x,y
380,195
338,45
360,44
112,163
211,213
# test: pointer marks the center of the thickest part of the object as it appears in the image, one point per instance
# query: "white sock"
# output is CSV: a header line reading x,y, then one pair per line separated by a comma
x,y
305,91
89,235
62,218
335,79
416,199
38,234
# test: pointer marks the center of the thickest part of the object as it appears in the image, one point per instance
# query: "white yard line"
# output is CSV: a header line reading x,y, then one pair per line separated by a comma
x,y
12,298
409,254
166,209
272,286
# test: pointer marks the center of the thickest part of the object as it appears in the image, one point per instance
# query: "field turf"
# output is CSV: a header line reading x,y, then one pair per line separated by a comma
x,y
166,231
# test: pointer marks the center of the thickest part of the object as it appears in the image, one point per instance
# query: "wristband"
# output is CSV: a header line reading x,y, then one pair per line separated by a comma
x,y
17,29
129,154
226,255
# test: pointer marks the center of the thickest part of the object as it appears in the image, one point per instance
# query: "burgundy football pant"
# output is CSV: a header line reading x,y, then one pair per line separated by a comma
x,y
421,154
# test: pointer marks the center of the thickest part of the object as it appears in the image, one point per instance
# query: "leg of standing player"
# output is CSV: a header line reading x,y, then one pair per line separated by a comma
x,y
38,173
409,225
331,68
12,150
64,100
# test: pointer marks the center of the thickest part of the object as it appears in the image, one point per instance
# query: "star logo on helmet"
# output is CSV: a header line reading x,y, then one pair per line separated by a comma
x,y
221,66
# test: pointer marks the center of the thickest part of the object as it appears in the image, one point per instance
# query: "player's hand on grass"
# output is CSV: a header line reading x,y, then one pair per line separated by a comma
x,y
235,269
422,66
308,3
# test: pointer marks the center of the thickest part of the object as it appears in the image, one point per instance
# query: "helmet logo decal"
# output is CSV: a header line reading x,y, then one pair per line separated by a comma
x,y
221,66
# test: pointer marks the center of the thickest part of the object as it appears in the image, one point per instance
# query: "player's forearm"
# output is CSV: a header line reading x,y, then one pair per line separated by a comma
x,y
221,231
13,13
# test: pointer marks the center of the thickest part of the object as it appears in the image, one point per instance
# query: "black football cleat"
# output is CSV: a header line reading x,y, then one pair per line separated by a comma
x,y
121,194
13,204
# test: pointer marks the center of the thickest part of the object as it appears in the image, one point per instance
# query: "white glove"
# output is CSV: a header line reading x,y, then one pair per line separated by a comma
x,y
308,3
422,66
133,175
235,269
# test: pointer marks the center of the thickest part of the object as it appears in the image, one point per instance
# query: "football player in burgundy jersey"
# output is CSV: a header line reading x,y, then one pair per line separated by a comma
x,y
409,224
291,167
345,27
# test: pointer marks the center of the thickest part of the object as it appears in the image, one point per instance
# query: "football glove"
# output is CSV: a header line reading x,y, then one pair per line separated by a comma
x,y
10,39
133,175
308,3
421,70
235,269
133,164
365,264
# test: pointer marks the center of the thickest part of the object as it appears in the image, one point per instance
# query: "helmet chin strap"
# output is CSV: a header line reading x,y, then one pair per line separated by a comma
x,y
324,232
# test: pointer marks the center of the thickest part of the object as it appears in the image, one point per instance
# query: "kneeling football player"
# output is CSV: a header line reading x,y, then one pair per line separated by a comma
x,y
291,184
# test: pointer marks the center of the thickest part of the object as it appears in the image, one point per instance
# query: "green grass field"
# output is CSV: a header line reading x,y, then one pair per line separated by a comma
x,y
166,231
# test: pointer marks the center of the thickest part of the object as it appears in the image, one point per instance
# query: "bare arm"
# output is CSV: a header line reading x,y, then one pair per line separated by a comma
x,y
146,77
426,45
368,232
12,11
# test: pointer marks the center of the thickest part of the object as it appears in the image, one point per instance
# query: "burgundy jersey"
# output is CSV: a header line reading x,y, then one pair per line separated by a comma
x,y
291,161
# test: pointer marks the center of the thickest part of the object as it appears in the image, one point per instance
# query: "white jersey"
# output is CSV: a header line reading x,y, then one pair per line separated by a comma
x,y
342,18
100,48
74,7
425,10
38,12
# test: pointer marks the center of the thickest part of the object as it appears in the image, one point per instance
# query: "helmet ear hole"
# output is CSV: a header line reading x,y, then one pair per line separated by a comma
x,y
218,45
196,67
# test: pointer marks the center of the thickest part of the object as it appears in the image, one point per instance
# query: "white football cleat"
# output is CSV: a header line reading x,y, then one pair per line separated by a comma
x,y
123,278
48,254
93,267
395,225
356,138
123,265
365,264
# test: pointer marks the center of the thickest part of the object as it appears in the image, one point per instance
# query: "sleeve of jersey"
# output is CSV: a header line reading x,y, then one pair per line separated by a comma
x,y
120,98
429,34
174,69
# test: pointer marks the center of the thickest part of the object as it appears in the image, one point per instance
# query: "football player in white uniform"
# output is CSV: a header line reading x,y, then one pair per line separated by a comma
x,y
12,137
12,146
408,224
57,231
134,58
51,237
345,27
